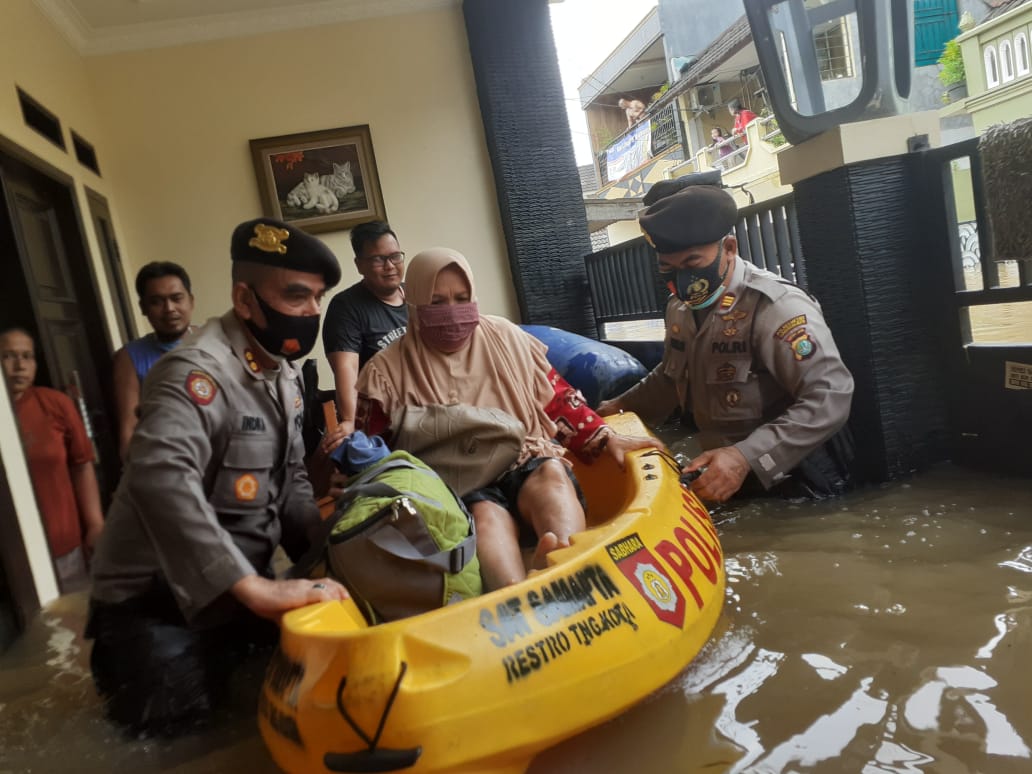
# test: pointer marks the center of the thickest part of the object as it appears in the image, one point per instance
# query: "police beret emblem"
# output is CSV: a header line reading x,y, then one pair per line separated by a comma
x,y
200,387
269,239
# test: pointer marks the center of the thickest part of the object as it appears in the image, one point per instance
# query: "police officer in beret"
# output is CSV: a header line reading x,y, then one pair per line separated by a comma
x,y
214,481
748,354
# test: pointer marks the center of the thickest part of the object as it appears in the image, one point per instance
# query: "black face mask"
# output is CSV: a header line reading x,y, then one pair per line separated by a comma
x,y
699,288
286,335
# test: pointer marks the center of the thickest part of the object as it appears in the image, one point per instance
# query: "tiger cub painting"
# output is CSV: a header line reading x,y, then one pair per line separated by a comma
x,y
316,191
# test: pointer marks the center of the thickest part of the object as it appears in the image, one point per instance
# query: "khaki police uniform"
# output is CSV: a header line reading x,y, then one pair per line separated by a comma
x,y
761,372
215,478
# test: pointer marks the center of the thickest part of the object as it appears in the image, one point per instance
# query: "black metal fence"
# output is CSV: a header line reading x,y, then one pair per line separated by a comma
x,y
625,285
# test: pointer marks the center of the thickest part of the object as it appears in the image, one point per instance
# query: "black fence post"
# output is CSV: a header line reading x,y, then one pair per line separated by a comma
x,y
528,138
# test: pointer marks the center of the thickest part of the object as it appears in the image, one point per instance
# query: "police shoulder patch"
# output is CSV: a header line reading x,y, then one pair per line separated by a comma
x,y
200,387
802,345
790,325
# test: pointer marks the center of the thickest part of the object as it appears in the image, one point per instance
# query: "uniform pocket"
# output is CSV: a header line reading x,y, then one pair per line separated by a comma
x,y
676,358
734,391
243,480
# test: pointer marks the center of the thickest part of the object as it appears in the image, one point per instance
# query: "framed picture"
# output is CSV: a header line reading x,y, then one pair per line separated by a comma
x,y
319,181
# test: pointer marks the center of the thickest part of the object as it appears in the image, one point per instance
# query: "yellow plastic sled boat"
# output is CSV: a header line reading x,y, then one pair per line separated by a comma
x,y
486,684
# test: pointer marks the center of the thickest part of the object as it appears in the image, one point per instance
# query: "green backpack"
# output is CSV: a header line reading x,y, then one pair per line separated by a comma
x,y
402,541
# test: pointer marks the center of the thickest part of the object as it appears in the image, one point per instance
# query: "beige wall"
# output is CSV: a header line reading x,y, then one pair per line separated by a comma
x,y
171,129
179,121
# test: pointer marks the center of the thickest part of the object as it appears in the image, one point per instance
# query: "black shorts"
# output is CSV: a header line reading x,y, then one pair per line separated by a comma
x,y
505,491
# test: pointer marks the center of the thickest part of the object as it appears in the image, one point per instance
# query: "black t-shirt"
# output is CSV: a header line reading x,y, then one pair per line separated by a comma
x,y
357,321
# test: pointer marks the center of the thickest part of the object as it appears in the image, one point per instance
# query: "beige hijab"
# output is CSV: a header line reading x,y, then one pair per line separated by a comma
x,y
500,366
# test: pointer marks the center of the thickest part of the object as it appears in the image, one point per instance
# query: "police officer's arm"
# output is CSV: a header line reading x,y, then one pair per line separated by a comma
x,y
170,452
807,364
654,398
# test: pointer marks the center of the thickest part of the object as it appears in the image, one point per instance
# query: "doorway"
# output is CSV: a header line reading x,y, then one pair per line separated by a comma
x,y
50,290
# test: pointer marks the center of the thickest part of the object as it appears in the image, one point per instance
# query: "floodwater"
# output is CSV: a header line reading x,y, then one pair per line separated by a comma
x,y
886,631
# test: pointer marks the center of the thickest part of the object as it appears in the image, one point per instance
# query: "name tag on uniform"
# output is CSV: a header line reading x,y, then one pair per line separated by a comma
x,y
677,344
252,424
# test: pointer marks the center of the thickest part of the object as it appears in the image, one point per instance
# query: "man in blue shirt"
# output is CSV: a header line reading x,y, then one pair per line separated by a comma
x,y
163,289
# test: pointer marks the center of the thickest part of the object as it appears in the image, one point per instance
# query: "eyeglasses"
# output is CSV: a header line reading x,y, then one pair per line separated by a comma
x,y
381,260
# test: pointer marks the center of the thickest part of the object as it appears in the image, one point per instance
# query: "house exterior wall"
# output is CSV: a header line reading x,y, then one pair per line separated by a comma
x,y
689,26
1010,98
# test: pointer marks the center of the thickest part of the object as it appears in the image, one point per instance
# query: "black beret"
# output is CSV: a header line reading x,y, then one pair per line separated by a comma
x,y
274,243
664,188
698,215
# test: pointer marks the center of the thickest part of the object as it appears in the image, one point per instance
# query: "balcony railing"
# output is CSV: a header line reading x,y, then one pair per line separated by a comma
x,y
664,132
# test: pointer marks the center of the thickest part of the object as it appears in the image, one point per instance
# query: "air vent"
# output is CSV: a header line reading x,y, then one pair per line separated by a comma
x,y
41,119
84,152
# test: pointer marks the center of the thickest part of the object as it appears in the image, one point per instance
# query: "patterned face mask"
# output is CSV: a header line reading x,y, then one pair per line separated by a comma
x,y
700,287
446,327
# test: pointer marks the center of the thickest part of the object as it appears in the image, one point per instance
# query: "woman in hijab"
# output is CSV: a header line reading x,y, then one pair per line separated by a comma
x,y
452,354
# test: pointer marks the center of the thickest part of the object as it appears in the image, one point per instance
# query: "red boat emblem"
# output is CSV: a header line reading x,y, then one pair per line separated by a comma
x,y
642,569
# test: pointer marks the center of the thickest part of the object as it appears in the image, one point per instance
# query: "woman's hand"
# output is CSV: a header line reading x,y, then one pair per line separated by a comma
x,y
619,445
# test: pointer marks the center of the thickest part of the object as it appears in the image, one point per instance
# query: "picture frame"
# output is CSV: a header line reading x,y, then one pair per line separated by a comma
x,y
319,181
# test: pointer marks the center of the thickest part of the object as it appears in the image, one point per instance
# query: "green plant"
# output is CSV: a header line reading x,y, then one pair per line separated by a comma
x,y
662,90
952,65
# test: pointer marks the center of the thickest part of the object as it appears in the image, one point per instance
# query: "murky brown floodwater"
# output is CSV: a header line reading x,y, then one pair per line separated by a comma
x,y
888,631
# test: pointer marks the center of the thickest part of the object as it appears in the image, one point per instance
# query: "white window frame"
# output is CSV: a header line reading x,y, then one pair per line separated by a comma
x,y
1021,54
992,67
1006,61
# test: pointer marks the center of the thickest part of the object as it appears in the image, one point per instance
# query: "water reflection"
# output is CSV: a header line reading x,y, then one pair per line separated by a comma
x,y
889,631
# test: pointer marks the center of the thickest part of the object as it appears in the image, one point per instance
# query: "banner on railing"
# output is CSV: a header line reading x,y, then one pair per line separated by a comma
x,y
630,151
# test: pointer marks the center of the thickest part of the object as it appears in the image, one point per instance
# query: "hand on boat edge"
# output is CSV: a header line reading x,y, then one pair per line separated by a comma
x,y
723,471
619,445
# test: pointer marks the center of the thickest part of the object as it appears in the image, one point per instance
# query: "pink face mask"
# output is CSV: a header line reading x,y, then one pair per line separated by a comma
x,y
446,327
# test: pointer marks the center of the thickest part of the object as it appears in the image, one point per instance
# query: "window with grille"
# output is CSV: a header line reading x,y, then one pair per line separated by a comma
x,y
834,54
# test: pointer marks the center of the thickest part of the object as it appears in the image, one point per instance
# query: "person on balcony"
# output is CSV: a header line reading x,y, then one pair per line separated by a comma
x,y
749,355
743,117
634,109
722,147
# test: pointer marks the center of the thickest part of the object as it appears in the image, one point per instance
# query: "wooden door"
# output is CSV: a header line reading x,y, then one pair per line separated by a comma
x,y
52,292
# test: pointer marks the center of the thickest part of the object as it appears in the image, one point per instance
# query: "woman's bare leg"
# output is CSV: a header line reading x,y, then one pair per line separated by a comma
x,y
498,546
548,500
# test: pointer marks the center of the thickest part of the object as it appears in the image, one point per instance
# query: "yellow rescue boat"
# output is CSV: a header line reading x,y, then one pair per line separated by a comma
x,y
486,684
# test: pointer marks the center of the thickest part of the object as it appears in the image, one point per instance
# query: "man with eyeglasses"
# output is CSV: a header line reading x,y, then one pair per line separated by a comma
x,y
366,317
